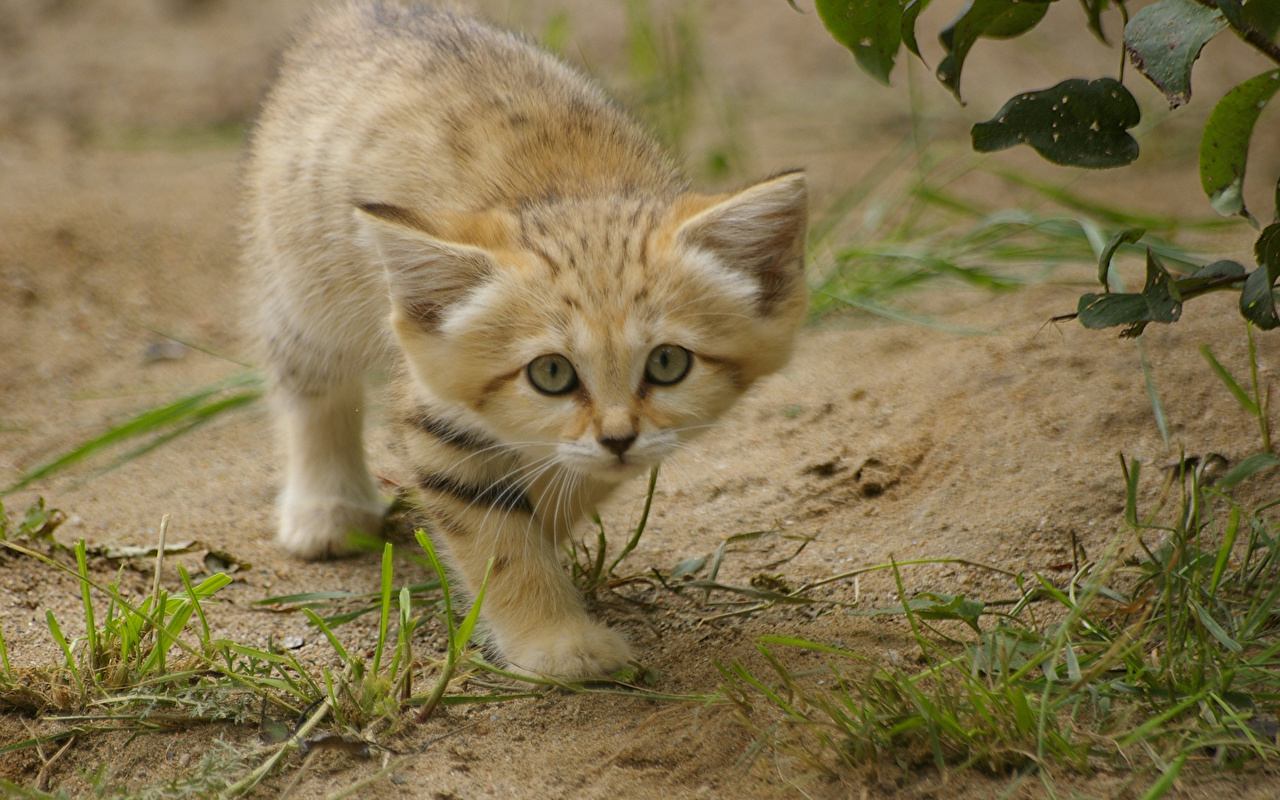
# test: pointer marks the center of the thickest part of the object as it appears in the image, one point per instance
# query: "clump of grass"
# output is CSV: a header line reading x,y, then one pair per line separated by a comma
x,y
155,663
1167,649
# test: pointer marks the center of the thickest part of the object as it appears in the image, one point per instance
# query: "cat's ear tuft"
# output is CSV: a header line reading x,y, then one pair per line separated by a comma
x,y
758,232
426,275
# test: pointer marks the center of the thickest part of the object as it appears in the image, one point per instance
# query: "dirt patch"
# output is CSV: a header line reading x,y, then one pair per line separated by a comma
x,y
119,143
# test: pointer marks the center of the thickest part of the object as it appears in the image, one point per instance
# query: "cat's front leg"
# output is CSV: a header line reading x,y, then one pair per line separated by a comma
x,y
328,494
533,612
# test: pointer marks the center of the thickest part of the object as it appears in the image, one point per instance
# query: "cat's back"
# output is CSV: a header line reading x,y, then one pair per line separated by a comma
x,y
425,107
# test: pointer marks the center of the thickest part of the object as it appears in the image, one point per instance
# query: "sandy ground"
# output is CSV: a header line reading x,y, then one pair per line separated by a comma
x,y
119,150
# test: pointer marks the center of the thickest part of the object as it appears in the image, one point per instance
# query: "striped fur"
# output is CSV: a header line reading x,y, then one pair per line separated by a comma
x,y
510,211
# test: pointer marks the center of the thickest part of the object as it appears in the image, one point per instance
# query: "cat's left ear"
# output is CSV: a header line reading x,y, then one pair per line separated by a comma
x,y
758,232
426,274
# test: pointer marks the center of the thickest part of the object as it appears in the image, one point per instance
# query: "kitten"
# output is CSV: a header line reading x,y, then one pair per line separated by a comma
x,y
425,189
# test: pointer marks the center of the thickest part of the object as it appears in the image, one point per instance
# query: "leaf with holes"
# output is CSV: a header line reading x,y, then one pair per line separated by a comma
x,y
1224,149
1077,123
992,18
870,29
1159,301
1164,40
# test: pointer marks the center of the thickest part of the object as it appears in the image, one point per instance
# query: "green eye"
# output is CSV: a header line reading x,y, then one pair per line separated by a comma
x,y
667,364
552,374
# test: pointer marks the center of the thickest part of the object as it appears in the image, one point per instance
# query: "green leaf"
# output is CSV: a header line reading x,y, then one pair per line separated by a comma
x,y
1263,16
1257,300
1224,149
994,18
1267,249
1126,236
1211,272
1161,291
1107,310
1093,9
1164,40
910,13
1257,303
870,29
1077,123
1233,11
1159,301
1019,19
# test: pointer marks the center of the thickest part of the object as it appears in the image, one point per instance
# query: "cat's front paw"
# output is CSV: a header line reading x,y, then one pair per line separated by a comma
x,y
580,650
318,529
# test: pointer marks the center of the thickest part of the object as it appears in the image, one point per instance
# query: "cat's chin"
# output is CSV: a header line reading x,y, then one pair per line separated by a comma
x,y
613,473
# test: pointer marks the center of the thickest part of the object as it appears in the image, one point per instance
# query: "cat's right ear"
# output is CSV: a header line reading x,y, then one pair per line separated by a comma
x,y
426,275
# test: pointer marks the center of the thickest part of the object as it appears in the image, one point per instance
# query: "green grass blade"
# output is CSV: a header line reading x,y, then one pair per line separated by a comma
x,y
90,627
468,625
195,419
1237,391
384,608
1247,468
1215,629
897,315
195,598
1224,550
4,658
56,630
1153,394
424,541
150,421
334,642
1162,786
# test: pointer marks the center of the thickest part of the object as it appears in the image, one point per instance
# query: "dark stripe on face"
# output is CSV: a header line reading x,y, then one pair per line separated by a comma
x,y
500,494
451,433
729,366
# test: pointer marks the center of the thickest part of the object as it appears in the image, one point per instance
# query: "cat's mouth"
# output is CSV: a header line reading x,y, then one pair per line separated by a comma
x,y
589,461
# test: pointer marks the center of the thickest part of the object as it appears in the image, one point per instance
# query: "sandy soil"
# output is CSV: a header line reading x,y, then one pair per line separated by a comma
x,y
119,152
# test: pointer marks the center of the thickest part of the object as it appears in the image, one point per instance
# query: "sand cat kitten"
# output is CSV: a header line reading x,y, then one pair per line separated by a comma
x,y
428,190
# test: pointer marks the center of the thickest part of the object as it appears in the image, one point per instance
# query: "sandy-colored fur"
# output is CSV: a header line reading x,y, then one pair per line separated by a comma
x,y
426,191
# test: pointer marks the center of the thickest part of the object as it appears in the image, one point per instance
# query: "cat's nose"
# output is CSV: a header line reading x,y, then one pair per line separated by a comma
x,y
617,444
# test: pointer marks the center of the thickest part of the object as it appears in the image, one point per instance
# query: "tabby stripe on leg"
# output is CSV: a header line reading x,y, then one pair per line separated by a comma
x,y
450,433
500,494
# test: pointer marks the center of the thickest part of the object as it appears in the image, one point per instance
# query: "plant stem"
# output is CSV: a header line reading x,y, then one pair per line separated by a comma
x,y
644,520
1259,396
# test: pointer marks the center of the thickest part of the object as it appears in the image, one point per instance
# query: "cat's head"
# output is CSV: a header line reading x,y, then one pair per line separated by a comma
x,y
599,333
